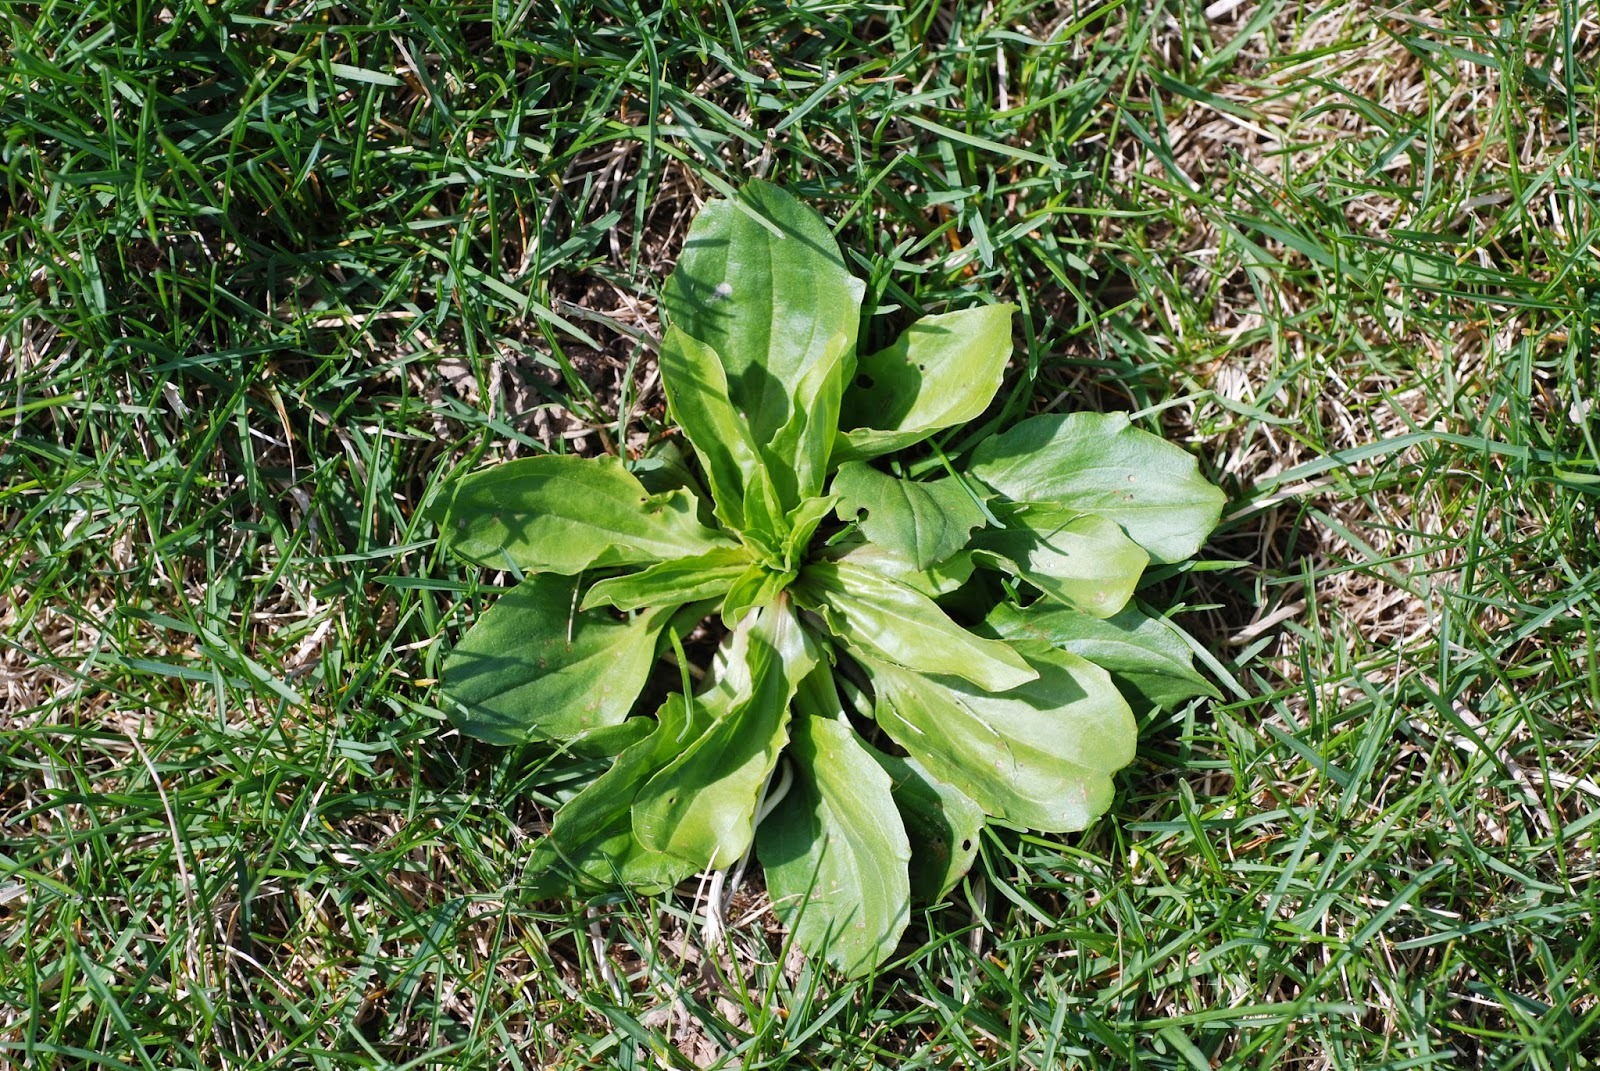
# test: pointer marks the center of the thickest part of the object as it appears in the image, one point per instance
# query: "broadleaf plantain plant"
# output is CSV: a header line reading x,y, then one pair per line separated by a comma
x,y
903,729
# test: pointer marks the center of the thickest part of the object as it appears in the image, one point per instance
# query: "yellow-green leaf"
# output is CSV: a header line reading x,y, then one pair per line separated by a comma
x,y
835,852
560,514
701,807
534,667
872,613
1039,756
1081,559
942,371
1099,463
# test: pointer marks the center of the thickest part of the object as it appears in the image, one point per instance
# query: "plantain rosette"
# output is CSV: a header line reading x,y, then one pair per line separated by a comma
x,y
1022,721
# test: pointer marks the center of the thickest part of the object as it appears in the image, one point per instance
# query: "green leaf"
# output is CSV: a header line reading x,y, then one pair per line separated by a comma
x,y
756,587
942,371
608,741
701,807
817,695
942,824
1146,654
664,467
779,308
697,395
535,668
802,523
873,613
729,678
682,580
835,851
591,841
941,579
1039,756
1080,559
1099,463
927,522
560,514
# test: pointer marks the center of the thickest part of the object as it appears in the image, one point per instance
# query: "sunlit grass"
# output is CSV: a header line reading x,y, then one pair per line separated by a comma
x,y
269,275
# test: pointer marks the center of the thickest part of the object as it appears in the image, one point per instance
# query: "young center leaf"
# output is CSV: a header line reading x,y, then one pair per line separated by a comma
x,y
704,576
1099,463
870,612
698,397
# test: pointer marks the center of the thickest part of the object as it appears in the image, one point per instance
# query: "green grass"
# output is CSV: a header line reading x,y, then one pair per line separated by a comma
x,y
270,274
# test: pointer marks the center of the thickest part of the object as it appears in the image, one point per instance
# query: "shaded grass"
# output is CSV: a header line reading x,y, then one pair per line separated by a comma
x,y
272,276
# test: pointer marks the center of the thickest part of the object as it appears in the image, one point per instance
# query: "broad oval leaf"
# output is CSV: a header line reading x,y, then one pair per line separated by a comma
x,y
942,823
1081,559
925,521
563,514
1039,756
762,284
942,371
835,851
701,807
534,667
1143,653
1099,463
681,580
872,613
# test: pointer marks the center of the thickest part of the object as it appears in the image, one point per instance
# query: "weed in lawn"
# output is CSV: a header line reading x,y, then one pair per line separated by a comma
x,y
826,571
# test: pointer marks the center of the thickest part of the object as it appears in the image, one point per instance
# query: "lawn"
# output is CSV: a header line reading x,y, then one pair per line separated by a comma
x,y
272,273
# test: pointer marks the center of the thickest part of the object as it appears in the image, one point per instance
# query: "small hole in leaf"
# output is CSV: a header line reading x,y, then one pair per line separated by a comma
x,y
966,845
865,382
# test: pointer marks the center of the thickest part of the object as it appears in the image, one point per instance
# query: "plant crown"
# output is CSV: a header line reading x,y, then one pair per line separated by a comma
x,y
900,729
